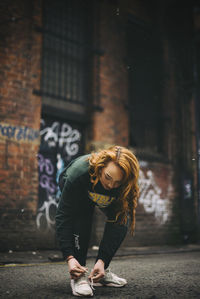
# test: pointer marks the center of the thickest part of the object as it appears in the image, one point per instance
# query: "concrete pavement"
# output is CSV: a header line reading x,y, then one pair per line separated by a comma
x,y
42,256
164,275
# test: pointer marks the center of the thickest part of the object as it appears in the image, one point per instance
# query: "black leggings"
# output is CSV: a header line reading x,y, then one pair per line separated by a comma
x,y
113,236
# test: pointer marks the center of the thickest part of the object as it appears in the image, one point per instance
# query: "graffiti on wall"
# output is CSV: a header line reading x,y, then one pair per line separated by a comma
x,y
18,133
63,136
151,199
46,169
59,144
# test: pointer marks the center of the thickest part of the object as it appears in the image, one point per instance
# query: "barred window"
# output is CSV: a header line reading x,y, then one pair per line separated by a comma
x,y
66,47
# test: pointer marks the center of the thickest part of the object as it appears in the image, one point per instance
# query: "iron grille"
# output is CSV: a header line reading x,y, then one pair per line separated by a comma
x,y
65,50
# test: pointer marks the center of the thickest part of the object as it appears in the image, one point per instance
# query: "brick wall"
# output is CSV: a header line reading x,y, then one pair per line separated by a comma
x,y
111,125
20,52
157,220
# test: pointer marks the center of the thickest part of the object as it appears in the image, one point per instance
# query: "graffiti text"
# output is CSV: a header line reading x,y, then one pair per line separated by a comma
x,y
17,133
150,197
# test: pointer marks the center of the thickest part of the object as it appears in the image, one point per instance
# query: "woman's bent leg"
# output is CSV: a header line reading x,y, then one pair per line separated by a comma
x,y
113,236
81,234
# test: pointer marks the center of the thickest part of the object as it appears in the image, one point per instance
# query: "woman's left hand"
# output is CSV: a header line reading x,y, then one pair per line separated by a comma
x,y
98,271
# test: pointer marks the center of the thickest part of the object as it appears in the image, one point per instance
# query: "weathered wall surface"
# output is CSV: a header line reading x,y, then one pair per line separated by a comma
x,y
111,125
20,52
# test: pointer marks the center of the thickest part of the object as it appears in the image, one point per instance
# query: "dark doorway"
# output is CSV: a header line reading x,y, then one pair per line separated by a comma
x,y
144,56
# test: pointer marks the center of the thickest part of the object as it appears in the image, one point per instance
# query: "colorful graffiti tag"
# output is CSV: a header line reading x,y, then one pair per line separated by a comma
x,y
59,144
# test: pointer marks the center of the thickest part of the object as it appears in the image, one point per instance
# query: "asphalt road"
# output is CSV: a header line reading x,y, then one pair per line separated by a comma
x,y
149,276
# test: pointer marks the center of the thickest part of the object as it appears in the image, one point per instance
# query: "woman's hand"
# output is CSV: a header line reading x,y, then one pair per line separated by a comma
x,y
75,269
98,271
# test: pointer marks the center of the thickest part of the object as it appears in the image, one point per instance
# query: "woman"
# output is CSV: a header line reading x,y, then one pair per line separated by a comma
x,y
107,179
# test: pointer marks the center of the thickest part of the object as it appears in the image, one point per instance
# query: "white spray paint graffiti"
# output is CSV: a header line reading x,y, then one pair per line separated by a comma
x,y
150,197
46,213
66,137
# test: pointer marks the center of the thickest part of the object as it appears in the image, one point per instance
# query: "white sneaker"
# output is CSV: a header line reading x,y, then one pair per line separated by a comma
x,y
81,287
110,280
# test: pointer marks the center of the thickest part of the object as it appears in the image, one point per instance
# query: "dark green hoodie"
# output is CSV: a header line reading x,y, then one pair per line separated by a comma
x,y
77,191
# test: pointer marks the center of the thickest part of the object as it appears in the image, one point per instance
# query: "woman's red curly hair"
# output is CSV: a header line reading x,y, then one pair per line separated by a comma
x,y
129,190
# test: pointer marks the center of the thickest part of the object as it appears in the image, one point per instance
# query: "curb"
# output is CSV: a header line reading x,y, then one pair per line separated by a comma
x,y
55,256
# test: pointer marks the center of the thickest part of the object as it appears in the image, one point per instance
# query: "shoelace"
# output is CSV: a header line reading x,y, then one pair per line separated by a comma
x,y
92,284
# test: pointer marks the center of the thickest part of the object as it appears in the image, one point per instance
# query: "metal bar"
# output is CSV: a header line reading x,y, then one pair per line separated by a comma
x,y
54,96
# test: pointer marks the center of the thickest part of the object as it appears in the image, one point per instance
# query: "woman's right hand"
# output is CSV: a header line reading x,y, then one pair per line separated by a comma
x,y
75,269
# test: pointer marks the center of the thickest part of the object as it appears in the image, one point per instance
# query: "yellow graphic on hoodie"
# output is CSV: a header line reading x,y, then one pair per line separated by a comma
x,y
100,199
